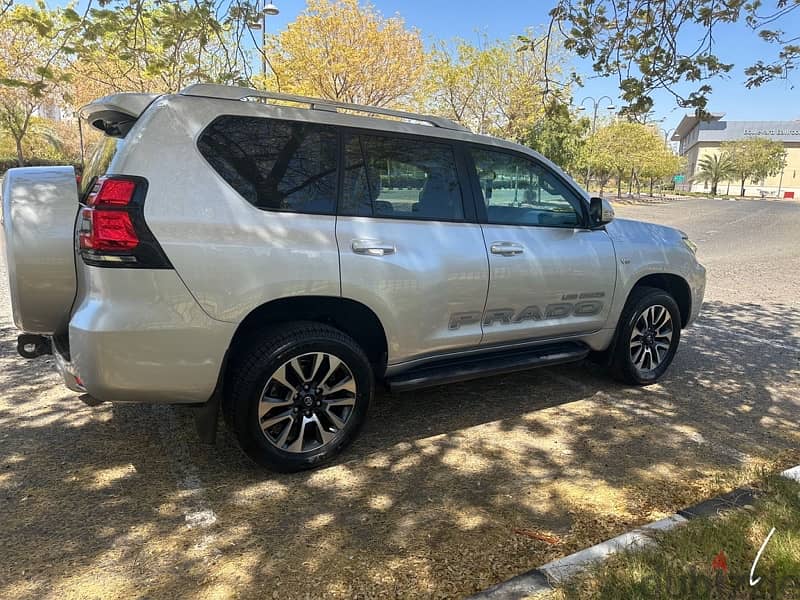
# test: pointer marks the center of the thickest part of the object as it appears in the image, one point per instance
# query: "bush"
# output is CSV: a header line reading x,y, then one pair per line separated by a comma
x,y
10,163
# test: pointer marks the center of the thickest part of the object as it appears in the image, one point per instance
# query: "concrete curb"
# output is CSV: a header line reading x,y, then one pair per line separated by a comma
x,y
548,576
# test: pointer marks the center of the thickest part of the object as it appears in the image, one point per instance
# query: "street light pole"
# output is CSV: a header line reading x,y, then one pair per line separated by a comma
x,y
269,10
596,105
666,133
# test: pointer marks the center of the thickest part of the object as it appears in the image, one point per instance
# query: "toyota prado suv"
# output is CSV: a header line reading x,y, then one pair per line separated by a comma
x,y
277,258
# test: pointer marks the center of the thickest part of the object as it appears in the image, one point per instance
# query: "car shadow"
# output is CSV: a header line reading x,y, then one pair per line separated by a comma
x,y
447,490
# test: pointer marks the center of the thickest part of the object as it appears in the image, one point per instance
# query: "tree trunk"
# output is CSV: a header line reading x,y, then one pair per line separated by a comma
x,y
651,187
630,183
20,152
713,188
619,184
742,191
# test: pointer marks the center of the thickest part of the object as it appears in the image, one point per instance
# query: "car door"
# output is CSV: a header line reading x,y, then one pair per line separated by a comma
x,y
410,248
550,275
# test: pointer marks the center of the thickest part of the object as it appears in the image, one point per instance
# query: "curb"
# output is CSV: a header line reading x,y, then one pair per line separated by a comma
x,y
548,576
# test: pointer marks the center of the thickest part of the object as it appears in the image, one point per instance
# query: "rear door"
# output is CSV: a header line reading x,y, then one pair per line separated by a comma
x,y
550,275
409,245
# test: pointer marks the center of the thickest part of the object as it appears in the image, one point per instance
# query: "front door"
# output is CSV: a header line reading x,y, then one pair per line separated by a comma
x,y
550,275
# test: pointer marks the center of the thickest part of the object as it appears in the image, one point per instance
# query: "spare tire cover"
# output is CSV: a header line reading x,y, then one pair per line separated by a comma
x,y
40,205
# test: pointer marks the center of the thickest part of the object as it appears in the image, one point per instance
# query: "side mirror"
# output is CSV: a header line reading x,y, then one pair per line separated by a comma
x,y
600,212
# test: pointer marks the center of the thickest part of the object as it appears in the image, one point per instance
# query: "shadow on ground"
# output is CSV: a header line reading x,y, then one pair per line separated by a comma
x,y
445,492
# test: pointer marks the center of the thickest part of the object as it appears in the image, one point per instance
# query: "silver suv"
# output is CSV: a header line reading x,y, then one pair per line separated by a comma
x,y
278,257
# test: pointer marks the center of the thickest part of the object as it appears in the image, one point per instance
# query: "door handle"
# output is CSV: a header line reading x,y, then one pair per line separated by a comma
x,y
372,247
506,248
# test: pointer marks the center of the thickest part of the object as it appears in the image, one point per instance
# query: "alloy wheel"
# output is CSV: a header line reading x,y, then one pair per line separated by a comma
x,y
307,402
651,338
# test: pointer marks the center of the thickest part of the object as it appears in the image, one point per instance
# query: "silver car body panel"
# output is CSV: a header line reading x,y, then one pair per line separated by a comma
x,y
435,270
557,267
139,336
161,335
649,249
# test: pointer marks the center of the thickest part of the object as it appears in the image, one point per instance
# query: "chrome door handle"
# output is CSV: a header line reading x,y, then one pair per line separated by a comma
x,y
372,247
506,248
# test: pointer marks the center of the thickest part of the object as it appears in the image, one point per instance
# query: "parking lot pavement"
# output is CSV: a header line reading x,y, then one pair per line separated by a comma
x,y
447,491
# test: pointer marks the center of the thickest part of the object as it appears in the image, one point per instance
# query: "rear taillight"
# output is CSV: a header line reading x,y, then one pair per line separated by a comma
x,y
112,230
108,191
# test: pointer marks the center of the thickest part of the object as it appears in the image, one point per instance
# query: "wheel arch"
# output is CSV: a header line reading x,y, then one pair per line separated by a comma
x,y
353,318
674,285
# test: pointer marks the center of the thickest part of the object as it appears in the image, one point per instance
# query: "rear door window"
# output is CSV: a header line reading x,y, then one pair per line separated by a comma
x,y
401,178
273,164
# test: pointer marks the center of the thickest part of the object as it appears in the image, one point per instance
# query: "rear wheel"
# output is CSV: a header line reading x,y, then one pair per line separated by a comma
x,y
648,336
299,396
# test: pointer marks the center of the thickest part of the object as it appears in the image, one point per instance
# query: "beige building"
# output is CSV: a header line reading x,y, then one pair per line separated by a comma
x,y
698,138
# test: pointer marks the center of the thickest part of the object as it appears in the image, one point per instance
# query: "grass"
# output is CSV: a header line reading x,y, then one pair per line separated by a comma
x,y
680,565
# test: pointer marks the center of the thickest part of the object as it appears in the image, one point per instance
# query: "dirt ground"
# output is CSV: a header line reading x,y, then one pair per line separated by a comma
x,y
447,491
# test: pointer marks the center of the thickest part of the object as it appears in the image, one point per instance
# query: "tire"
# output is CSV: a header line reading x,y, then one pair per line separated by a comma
x,y
656,319
306,396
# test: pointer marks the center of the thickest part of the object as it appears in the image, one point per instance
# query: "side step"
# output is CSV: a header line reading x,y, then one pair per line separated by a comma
x,y
486,365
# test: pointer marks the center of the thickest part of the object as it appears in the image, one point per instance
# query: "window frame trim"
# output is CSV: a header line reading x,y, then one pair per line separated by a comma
x,y
462,174
480,206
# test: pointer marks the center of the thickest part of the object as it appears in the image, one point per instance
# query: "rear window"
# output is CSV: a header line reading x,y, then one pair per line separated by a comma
x,y
101,158
274,164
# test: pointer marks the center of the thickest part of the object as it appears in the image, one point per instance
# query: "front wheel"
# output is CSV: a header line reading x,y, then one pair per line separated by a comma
x,y
299,396
648,336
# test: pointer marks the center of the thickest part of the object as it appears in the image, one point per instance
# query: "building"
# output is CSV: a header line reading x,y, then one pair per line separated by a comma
x,y
698,138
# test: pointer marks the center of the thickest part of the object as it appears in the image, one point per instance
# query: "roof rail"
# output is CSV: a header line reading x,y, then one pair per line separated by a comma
x,y
229,92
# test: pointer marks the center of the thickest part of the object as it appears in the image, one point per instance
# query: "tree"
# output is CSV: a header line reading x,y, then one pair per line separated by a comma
x,y
32,71
628,150
669,44
559,136
756,159
343,51
489,88
150,46
659,162
713,168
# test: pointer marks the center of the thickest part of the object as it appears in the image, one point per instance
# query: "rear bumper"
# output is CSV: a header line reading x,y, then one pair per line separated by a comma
x,y
67,371
140,336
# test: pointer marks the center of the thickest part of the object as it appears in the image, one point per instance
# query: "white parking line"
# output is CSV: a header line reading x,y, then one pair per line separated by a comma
x,y
196,510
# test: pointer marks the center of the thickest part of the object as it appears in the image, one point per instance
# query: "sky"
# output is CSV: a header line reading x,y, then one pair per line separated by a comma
x,y
503,19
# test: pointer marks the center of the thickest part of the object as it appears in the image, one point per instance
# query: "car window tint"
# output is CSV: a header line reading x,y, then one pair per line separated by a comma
x,y
356,199
518,191
401,178
276,165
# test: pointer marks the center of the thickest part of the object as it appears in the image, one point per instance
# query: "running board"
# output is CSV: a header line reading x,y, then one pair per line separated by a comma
x,y
486,365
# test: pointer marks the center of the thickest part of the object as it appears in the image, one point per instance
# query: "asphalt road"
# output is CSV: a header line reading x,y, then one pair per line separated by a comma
x,y
447,491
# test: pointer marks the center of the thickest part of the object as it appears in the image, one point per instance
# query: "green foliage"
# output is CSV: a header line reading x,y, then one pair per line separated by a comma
x,y
713,168
490,87
559,135
755,159
665,45
628,150
33,71
151,45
